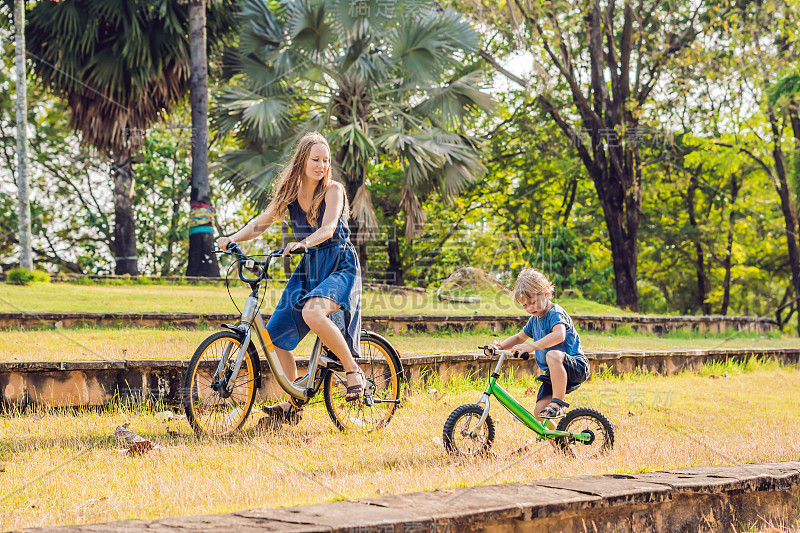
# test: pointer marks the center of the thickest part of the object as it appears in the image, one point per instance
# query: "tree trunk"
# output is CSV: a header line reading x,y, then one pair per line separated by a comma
x,y
351,186
396,272
621,203
202,261
24,208
124,228
624,255
788,205
166,266
700,262
726,283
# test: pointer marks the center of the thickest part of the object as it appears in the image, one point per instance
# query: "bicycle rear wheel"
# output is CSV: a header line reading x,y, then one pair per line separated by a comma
x,y
591,423
384,375
210,409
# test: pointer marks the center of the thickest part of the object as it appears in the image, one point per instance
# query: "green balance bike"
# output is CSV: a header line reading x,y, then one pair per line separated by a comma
x,y
469,429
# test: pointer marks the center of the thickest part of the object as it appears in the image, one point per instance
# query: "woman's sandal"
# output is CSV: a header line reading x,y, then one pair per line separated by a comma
x,y
555,409
354,392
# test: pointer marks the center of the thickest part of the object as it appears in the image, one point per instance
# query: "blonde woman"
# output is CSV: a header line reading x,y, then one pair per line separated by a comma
x,y
328,277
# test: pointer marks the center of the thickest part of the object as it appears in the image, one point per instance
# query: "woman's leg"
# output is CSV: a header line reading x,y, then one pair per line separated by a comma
x,y
316,313
290,371
287,363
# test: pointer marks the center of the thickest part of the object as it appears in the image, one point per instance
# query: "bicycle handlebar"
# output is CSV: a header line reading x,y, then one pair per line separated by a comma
x,y
490,351
245,261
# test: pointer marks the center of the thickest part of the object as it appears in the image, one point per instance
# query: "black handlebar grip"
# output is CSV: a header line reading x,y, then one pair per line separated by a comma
x,y
525,356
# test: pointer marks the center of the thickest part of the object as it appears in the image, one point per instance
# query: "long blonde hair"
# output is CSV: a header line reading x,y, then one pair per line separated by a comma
x,y
288,184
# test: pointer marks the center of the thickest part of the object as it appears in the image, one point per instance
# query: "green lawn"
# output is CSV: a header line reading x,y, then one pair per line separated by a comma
x,y
725,414
144,343
134,298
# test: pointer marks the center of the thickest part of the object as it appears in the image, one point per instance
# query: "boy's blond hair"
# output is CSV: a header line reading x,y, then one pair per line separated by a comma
x,y
531,282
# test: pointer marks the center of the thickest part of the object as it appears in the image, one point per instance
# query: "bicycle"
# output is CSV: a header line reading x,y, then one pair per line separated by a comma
x,y
583,432
225,373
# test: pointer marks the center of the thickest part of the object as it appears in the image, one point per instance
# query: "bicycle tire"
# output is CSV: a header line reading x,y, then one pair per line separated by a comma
x,y
384,374
581,420
460,439
208,411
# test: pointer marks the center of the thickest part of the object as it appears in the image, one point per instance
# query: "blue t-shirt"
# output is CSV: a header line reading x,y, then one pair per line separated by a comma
x,y
536,328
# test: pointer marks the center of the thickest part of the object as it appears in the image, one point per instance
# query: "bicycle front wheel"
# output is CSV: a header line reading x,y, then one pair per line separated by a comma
x,y
463,436
211,408
384,375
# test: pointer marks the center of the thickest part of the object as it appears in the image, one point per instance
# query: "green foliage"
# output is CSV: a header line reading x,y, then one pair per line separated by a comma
x,y
41,276
161,208
384,89
24,276
19,275
134,55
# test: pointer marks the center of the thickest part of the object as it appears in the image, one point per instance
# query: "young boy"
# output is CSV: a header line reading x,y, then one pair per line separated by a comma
x,y
556,343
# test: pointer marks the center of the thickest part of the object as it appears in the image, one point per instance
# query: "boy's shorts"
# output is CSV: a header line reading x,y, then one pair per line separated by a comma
x,y
577,368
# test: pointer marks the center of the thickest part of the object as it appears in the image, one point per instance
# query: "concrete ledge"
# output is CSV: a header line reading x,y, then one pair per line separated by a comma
x,y
79,383
710,498
399,323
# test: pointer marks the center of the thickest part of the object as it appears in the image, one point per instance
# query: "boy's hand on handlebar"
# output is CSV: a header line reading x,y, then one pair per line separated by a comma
x,y
522,348
294,247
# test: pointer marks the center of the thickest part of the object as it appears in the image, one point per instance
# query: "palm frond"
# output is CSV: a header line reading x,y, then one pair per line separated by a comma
x,y
261,32
415,215
455,100
363,212
120,64
788,87
359,146
251,172
426,45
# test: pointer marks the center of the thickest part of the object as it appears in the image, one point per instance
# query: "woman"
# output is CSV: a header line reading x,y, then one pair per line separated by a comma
x,y
328,277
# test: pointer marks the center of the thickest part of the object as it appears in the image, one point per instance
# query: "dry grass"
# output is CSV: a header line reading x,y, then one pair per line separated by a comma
x,y
725,414
131,298
145,343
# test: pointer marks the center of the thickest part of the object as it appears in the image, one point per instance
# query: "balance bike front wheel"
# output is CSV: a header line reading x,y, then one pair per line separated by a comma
x,y
463,436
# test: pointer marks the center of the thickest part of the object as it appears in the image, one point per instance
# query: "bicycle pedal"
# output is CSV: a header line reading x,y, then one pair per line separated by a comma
x,y
331,364
369,401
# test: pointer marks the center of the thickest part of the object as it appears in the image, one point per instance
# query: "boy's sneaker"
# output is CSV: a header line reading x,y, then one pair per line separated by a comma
x,y
555,409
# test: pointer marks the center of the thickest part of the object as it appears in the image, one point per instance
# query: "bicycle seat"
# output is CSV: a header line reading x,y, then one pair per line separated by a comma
x,y
544,378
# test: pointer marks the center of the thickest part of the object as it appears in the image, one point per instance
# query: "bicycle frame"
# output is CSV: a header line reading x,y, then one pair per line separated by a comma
x,y
515,408
253,323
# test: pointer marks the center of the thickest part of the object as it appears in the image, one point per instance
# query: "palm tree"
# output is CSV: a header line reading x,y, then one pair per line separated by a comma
x,y
119,64
202,261
24,208
382,86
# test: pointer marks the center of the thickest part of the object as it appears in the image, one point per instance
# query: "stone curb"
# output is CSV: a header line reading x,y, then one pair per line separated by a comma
x,y
709,498
87,383
401,323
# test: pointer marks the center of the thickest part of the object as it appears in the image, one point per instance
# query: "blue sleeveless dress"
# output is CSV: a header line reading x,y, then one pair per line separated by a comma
x,y
329,270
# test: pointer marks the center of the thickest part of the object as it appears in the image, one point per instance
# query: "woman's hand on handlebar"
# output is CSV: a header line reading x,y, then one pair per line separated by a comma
x,y
223,242
294,247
